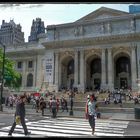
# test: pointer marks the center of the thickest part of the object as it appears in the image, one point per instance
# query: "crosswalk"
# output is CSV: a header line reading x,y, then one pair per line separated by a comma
x,y
68,127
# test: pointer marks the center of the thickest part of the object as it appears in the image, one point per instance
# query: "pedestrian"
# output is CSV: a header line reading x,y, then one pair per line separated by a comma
x,y
37,104
33,100
42,105
11,102
54,107
20,113
49,103
57,101
91,112
64,104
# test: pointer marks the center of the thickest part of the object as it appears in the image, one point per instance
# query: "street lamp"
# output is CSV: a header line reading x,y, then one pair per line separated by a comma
x,y
2,77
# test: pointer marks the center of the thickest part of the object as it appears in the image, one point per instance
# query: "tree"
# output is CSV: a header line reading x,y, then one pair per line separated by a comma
x,y
11,76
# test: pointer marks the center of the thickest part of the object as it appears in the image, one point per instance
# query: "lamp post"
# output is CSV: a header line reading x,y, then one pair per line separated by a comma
x,y
2,77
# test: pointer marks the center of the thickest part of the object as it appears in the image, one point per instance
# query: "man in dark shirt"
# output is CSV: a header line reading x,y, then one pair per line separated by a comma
x,y
20,111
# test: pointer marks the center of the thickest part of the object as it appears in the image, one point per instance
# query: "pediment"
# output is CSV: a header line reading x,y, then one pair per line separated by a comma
x,y
102,13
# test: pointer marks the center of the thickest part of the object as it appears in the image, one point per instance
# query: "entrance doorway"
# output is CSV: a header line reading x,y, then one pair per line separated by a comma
x,y
97,83
123,83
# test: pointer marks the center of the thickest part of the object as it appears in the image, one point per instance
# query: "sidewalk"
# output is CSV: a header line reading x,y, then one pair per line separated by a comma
x,y
77,114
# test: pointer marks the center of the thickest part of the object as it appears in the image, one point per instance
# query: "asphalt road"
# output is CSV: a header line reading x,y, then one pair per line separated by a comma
x,y
132,130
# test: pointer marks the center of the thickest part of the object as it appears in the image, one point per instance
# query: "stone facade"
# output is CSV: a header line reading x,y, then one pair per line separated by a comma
x,y
103,45
36,29
10,33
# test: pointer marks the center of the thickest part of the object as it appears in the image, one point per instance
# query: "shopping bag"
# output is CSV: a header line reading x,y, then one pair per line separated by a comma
x,y
18,120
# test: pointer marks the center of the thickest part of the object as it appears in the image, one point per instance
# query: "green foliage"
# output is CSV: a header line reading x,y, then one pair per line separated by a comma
x,y
11,76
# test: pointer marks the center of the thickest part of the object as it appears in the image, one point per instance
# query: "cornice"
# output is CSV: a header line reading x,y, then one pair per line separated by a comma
x,y
110,39
87,22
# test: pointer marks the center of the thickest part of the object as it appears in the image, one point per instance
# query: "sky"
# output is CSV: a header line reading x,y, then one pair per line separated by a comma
x,y
51,14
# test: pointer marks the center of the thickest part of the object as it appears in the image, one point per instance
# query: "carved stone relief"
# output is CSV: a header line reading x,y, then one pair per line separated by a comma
x,y
79,31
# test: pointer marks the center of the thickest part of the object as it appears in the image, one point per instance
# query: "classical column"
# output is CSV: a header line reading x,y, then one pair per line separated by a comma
x,y
56,70
76,68
24,76
110,70
35,74
133,68
59,74
82,70
40,71
103,78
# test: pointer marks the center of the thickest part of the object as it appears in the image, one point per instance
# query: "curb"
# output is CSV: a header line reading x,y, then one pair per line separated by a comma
x,y
72,116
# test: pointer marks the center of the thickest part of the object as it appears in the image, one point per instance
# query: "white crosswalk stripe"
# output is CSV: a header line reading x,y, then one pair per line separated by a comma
x,y
68,127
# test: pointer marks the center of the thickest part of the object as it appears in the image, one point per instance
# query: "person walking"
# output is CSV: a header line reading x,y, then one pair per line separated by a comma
x,y
91,111
42,105
37,104
54,107
64,105
20,113
49,103
57,101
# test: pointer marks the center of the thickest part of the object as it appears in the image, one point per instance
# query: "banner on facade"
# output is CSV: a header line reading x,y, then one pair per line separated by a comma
x,y
49,67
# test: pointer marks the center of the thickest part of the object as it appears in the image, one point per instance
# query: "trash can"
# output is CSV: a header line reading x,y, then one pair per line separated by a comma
x,y
137,112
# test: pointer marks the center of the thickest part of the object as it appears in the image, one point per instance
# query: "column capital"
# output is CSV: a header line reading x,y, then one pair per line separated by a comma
x,y
82,51
103,49
133,47
76,49
56,53
109,50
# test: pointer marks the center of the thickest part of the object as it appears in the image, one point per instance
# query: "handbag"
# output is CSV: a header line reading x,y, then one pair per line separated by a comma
x,y
18,121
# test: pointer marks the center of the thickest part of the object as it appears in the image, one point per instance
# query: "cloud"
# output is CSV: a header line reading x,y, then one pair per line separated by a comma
x,y
35,5
20,5
8,5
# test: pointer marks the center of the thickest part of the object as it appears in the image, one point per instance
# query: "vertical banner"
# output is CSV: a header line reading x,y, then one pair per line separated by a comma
x,y
49,67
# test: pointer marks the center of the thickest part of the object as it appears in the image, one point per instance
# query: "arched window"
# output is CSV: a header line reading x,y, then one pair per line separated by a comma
x,y
29,80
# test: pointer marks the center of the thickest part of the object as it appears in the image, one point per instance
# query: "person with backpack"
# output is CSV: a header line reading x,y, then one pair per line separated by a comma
x,y
91,111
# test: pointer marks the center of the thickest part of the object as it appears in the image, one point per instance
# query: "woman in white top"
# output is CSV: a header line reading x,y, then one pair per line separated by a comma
x,y
91,111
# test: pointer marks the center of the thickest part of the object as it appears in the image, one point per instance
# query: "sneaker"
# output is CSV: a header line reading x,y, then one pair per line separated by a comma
x,y
28,133
9,134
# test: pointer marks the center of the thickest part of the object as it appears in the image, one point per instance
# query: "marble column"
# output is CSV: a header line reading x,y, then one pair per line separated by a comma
x,y
82,84
59,74
76,68
110,70
24,76
40,71
34,75
133,68
56,71
103,75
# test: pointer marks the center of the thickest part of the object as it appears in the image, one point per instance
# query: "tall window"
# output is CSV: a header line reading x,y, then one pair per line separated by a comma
x,y
19,65
30,64
29,80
